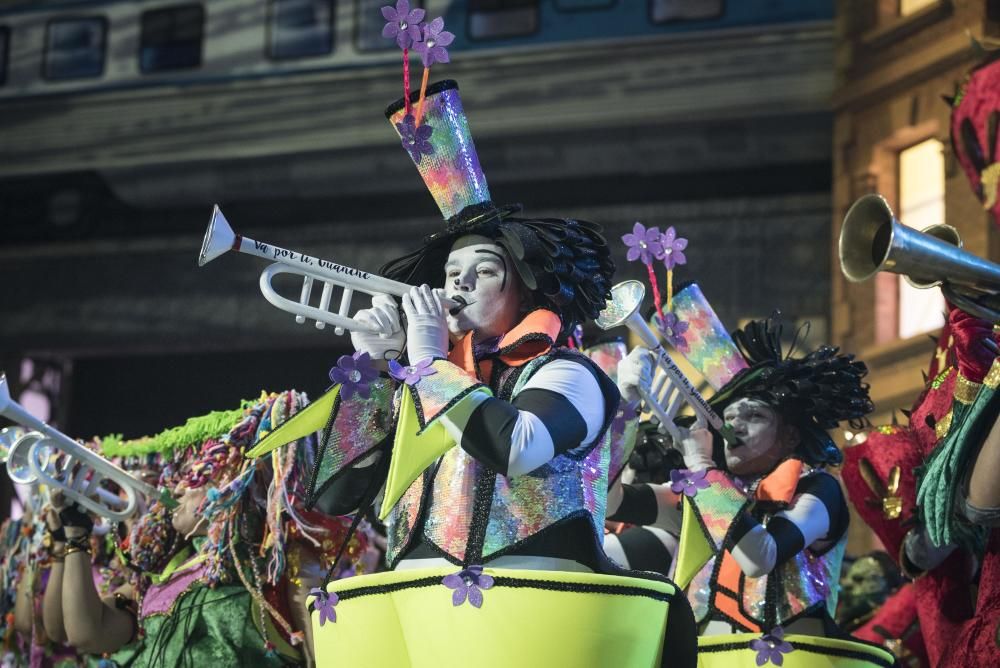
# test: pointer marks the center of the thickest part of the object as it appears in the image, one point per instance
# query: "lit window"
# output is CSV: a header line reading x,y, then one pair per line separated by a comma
x,y
496,19
662,11
74,48
907,7
171,38
4,42
921,204
300,28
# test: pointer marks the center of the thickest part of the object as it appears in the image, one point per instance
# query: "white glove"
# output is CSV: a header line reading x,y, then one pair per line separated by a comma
x,y
387,343
696,445
634,371
426,326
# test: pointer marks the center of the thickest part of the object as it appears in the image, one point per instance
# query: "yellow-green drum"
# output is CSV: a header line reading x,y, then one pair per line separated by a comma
x,y
427,618
744,650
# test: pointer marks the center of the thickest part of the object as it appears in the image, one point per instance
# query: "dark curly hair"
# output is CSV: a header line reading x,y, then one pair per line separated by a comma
x,y
814,393
565,264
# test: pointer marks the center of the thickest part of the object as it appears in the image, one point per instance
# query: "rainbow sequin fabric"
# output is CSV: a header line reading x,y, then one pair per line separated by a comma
x,y
435,393
574,483
451,171
360,425
710,349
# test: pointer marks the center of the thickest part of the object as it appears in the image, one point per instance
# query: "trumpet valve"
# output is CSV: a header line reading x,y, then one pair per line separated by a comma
x,y
324,302
345,306
307,285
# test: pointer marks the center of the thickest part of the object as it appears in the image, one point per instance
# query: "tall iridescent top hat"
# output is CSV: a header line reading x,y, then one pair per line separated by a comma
x,y
564,263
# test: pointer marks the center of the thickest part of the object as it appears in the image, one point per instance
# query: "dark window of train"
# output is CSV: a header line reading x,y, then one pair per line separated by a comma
x,y
171,38
300,28
4,44
74,48
668,11
368,24
497,19
584,5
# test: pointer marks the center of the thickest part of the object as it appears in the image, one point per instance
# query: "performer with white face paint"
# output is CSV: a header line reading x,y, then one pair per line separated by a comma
x,y
491,445
772,522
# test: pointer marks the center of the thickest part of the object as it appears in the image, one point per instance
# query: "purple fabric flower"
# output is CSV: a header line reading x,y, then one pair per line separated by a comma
x,y
415,140
402,23
412,374
468,583
354,373
673,248
686,481
325,603
771,646
431,49
673,330
643,244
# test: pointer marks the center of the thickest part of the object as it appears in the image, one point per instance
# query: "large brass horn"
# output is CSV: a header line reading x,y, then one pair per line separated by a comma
x,y
872,240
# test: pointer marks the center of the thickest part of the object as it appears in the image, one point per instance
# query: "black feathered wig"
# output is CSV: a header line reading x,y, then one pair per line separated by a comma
x,y
814,393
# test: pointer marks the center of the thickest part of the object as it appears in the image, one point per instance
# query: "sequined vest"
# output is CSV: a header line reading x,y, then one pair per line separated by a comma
x,y
802,586
473,514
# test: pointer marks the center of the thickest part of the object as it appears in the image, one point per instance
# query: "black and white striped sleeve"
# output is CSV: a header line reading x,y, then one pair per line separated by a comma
x,y
817,517
645,504
560,408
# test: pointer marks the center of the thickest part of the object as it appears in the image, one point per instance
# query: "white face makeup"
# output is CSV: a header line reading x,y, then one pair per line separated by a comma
x,y
762,439
479,273
185,518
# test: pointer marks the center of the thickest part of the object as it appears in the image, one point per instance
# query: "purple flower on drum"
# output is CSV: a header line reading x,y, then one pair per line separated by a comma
x,y
431,49
673,330
673,248
688,482
416,140
324,604
412,374
643,244
468,583
402,23
771,647
354,373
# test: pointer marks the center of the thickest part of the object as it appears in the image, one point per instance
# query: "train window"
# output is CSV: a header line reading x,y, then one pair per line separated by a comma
x,y
171,38
368,24
74,48
497,19
299,28
583,5
663,11
4,42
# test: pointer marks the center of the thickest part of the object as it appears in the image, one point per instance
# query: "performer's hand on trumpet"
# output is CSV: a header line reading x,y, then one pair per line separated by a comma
x,y
695,444
426,324
635,371
387,343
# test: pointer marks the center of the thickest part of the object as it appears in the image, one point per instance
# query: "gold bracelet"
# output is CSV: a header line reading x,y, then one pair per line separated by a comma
x,y
75,548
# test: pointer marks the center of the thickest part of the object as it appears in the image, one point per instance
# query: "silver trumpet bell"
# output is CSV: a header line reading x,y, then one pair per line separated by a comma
x,y
872,240
48,456
667,392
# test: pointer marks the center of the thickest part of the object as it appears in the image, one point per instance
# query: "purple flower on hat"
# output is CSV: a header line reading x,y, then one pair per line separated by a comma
x,y
353,373
324,604
771,646
431,49
415,139
643,244
673,330
686,481
402,23
673,248
468,583
412,374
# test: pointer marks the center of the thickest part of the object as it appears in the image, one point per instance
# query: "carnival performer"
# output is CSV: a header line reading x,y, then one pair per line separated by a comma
x,y
494,462
202,593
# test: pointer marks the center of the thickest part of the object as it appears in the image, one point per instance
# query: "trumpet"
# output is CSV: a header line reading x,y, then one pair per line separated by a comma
x,y
872,240
669,391
46,455
219,238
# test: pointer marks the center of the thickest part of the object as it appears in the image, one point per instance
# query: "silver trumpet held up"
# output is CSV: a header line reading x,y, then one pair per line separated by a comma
x,y
669,391
872,240
34,457
219,238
